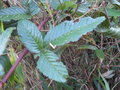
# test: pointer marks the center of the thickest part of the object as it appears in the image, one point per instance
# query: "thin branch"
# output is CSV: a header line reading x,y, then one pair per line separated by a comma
x,y
45,21
22,54
19,59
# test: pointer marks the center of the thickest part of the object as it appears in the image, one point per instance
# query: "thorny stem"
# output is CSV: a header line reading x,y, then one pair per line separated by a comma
x,y
22,54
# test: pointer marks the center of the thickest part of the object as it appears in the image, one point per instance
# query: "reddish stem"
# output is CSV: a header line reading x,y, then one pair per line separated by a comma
x,y
22,54
46,20
19,59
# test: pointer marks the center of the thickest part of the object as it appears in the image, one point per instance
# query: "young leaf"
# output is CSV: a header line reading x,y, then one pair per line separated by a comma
x,y
13,13
66,5
50,67
100,54
4,37
69,31
30,35
91,47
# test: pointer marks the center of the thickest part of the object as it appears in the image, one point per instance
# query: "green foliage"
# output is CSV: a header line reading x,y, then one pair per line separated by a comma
x,y
2,72
18,74
105,23
115,3
74,19
18,13
113,32
88,47
61,34
30,35
100,54
106,83
50,67
113,12
69,31
5,64
4,37
31,6
66,5
13,13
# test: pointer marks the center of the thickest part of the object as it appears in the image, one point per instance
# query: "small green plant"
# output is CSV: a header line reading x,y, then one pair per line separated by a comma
x,y
60,33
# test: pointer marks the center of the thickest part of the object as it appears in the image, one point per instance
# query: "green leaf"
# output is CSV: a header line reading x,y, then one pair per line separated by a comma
x,y
18,71
66,5
2,72
56,3
87,47
113,32
105,23
69,31
30,35
13,13
52,68
33,7
100,54
115,3
83,8
113,12
5,62
4,37
105,81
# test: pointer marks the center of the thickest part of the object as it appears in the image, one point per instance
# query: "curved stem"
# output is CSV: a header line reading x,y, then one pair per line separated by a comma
x,y
22,54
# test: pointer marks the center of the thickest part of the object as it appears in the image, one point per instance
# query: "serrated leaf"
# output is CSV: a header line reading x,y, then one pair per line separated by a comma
x,y
13,13
30,35
69,31
4,37
33,7
50,67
